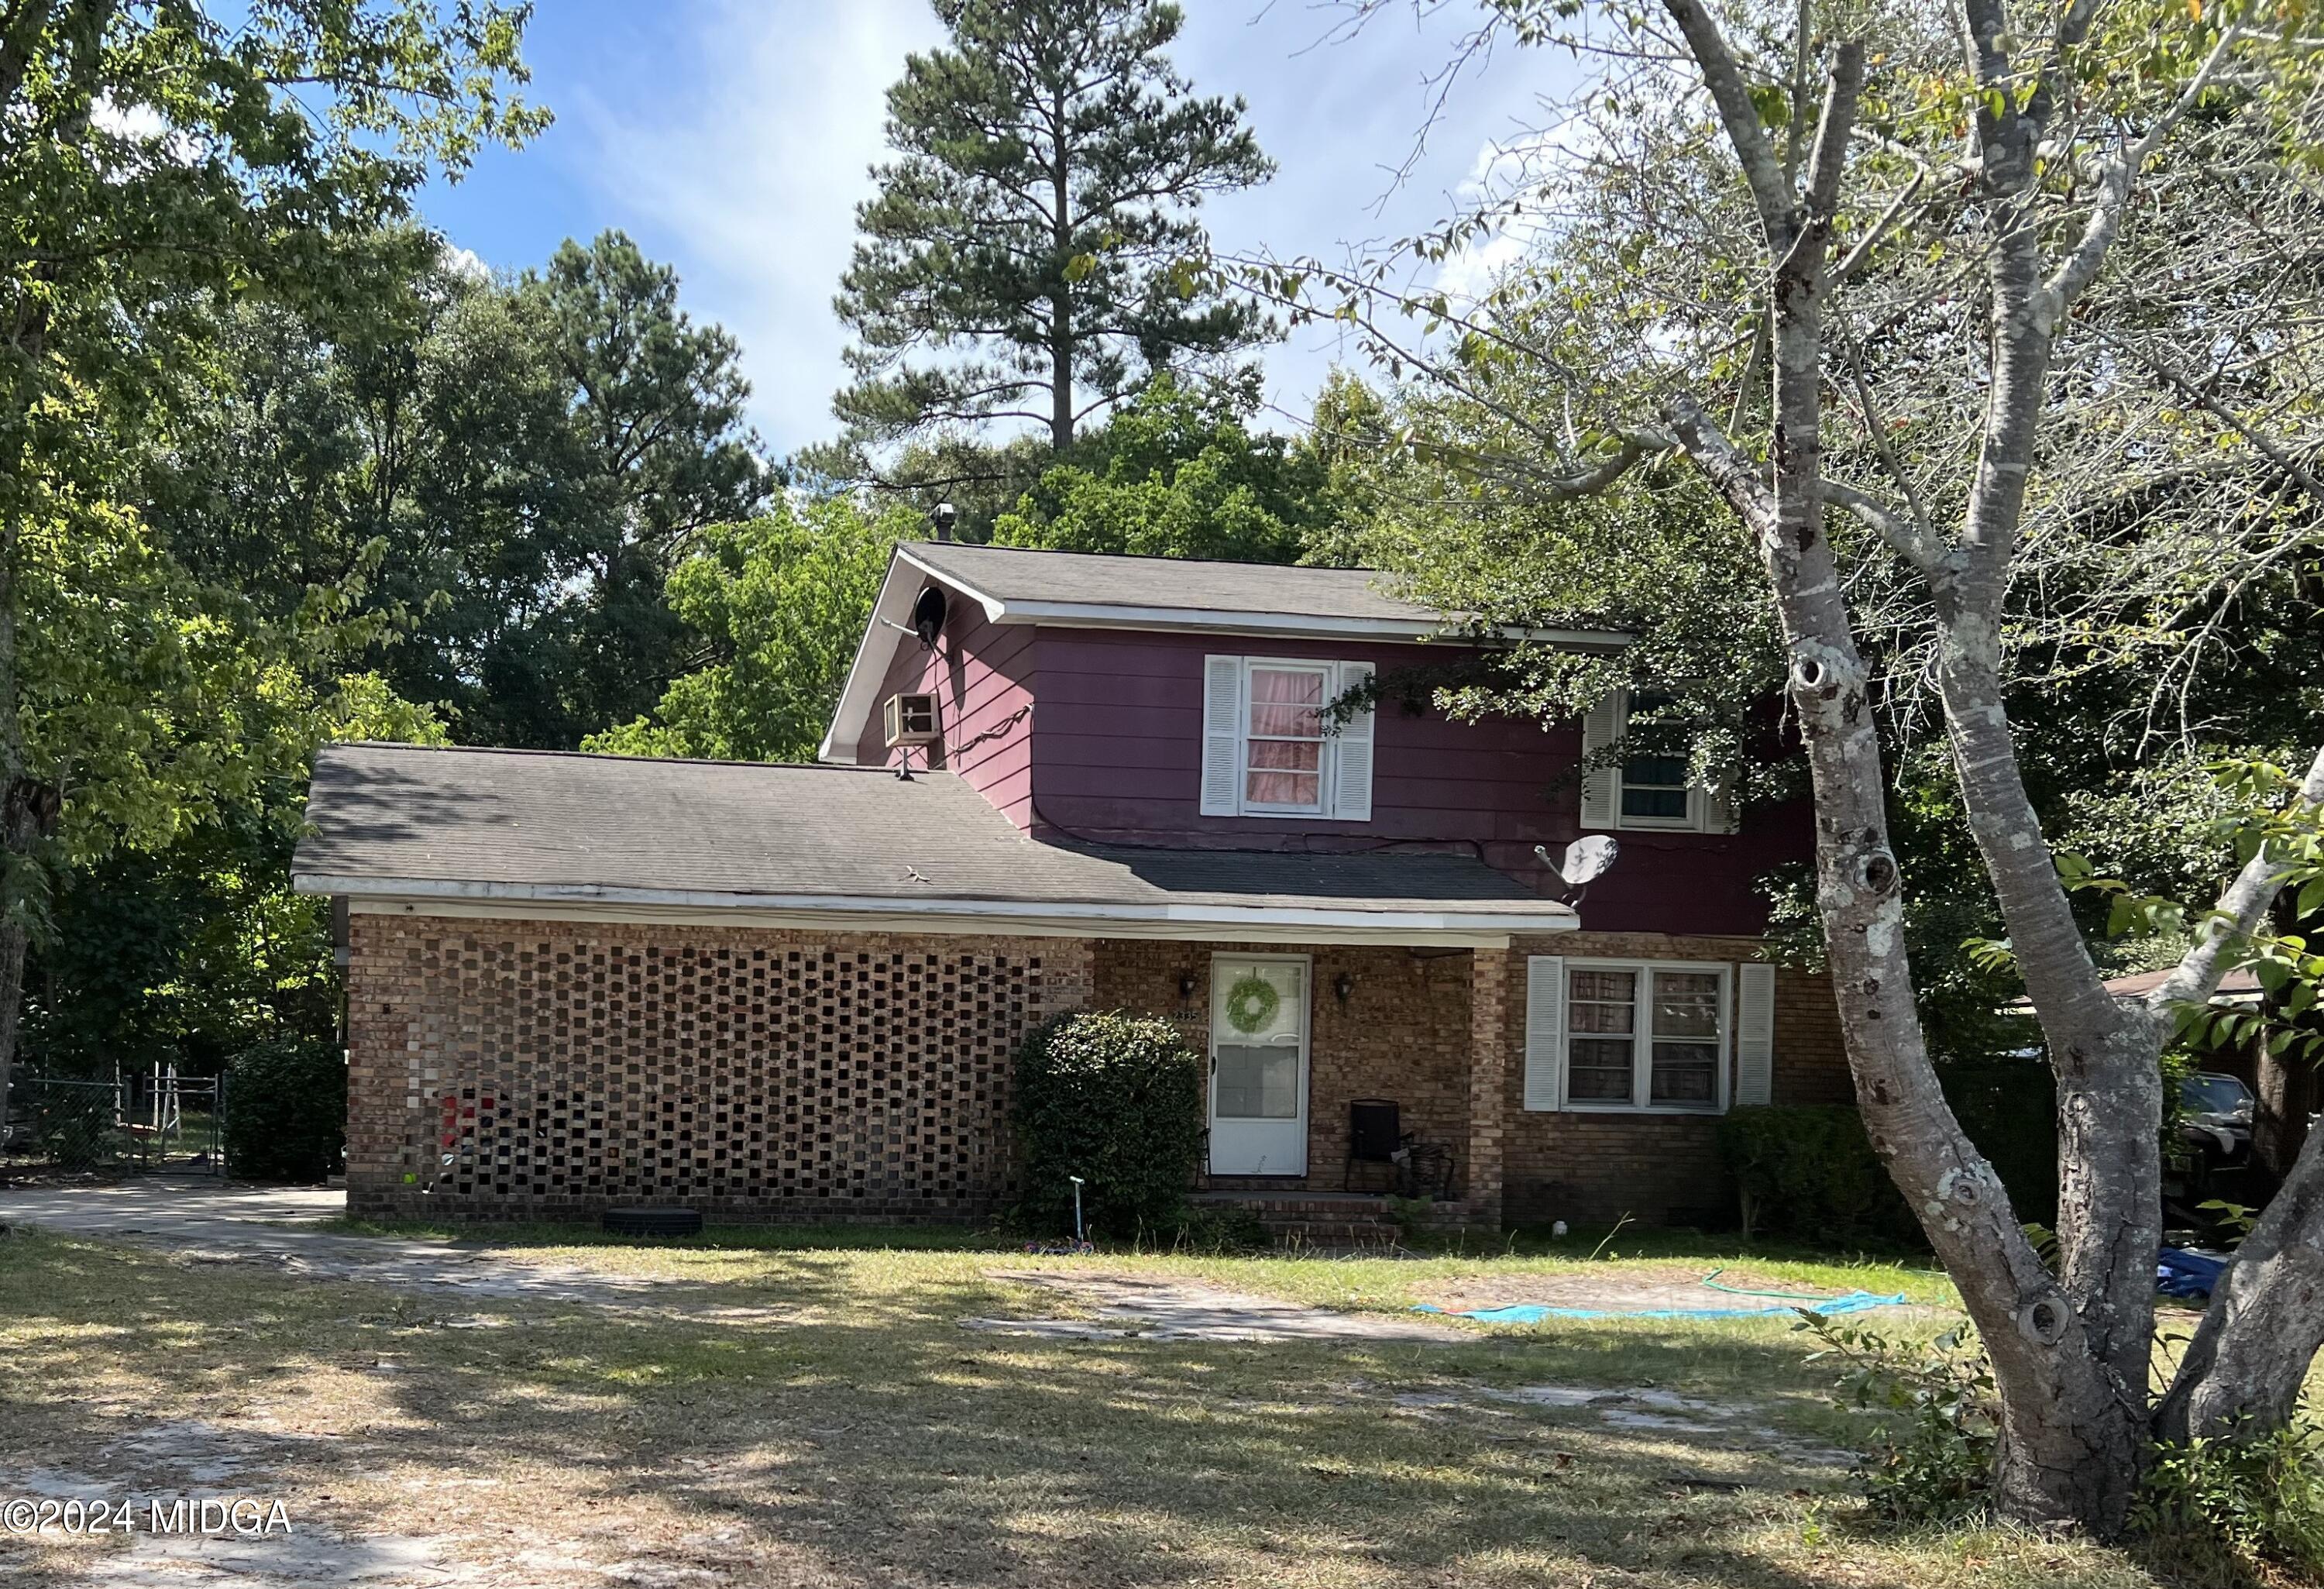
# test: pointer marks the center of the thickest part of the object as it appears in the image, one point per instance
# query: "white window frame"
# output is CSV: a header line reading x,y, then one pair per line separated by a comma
x,y
1608,724
1327,757
1642,1041
1345,767
1691,822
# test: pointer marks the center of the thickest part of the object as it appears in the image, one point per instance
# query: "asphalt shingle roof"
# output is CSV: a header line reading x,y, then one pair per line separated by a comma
x,y
1014,574
387,813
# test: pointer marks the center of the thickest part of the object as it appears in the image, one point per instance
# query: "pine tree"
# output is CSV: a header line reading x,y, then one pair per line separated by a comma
x,y
1028,241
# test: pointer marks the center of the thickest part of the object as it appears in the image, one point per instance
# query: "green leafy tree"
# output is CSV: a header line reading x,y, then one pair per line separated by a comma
x,y
529,461
1031,240
1955,410
1177,473
155,161
657,411
781,602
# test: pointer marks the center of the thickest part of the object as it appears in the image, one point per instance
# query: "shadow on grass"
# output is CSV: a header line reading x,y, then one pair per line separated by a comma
x,y
879,1443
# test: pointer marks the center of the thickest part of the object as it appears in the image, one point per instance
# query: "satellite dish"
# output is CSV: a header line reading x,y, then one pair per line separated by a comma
x,y
928,617
1587,859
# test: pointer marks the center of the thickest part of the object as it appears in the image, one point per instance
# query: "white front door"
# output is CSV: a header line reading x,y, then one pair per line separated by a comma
x,y
1258,1065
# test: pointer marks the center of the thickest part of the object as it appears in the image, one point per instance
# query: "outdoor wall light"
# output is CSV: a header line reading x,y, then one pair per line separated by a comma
x,y
1185,984
1344,984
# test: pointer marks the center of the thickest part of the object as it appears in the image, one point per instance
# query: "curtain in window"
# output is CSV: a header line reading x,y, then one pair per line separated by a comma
x,y
1286,758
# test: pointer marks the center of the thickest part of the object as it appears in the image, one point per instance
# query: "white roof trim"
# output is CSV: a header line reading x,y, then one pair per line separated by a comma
x,y
994,609
857,698
1211,621
1480,928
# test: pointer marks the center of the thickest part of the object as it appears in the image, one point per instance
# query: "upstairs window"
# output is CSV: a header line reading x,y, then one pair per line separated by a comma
x,y
1271,747
1283,741
1655,790
1648,789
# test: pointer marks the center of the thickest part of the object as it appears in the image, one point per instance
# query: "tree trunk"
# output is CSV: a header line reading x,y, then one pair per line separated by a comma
x,y
12,1002
2287,1096
1061,302
2286,1089
1061,374
2069,1443
2249,1357
28,814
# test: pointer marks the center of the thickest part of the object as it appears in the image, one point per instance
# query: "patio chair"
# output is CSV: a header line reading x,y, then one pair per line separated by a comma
x,y
1374,1136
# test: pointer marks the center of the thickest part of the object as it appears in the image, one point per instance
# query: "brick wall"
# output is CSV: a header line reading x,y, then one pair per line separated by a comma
x,y
1657,1169
562,1066
1403,1033
772,1075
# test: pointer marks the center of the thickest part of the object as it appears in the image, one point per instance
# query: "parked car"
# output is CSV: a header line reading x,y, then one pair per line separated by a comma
x,y
2217,1121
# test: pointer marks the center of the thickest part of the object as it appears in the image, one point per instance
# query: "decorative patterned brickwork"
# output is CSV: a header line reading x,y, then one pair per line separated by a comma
x,y
566,1065
1402,1033
546,1068
1659,1169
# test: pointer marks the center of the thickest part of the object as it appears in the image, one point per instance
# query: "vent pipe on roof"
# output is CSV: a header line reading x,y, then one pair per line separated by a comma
x,y
945,515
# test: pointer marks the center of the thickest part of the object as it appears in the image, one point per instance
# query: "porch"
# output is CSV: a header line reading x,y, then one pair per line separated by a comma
x,y
1424,1028
1446,1036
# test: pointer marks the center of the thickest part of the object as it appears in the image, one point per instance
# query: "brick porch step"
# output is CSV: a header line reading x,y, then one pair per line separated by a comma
x,y
1312,1219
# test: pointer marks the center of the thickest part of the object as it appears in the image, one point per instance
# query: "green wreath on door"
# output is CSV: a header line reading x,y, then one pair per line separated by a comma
x,y
1252,1002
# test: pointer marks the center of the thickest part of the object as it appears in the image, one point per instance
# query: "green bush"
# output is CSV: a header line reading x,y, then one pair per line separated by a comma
x,y
2237,1509
1809,1174
1931,1455
1116,1099
286,1111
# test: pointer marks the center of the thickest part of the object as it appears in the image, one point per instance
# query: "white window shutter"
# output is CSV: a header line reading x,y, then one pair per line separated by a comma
x,y
1222,735
1544,1050
1755,1035
1351,787
1601,790
1719,806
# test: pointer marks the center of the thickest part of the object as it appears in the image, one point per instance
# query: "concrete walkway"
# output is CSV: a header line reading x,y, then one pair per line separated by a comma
x,y
208,1221
1163,1308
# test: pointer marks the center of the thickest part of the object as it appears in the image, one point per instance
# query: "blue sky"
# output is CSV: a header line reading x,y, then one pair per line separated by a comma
x,y
732,138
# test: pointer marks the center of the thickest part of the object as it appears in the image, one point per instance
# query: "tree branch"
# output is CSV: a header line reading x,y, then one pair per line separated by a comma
x,y
1736,478
1904,538
1723,76
2200,394
2080,267
2235,917
1846,270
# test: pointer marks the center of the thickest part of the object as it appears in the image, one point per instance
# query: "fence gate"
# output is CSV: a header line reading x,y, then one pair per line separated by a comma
x,y
136,1120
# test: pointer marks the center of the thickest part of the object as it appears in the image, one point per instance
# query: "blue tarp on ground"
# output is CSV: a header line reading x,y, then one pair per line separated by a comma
x,y
1534,1313
2182,1271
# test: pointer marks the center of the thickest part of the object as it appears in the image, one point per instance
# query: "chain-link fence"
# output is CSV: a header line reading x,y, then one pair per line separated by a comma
x,y
132,1121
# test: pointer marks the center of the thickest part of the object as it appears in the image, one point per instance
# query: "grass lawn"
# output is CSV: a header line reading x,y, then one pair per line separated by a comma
x,y
810,1411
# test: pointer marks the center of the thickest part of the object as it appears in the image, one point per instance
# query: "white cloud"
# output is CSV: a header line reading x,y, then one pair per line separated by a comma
x,y
1503,183
465,263
754,176
748,180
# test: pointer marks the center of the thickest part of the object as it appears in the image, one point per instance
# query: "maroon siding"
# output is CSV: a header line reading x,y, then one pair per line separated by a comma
x,y
983,674
1118,755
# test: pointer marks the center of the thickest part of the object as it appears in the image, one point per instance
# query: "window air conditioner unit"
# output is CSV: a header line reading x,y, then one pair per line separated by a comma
x,y
911,719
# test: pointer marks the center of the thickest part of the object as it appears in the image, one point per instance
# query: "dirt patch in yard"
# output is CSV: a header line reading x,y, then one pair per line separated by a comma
x,y
1164,1308
1632,1289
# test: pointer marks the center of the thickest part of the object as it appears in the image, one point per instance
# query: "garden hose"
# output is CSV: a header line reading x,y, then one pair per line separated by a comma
x,y
1711,1281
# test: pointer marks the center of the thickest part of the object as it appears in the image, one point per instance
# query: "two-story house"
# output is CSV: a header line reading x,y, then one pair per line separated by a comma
x,y
1053,782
